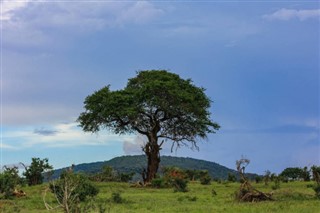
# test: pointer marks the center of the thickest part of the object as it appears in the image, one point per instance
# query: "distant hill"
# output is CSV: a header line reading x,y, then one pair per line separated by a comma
x,y
136,163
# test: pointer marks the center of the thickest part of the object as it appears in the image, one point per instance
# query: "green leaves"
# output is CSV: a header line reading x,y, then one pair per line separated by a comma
x,y
155,102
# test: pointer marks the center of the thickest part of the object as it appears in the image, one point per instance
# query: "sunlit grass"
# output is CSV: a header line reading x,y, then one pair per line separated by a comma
x,y
291,197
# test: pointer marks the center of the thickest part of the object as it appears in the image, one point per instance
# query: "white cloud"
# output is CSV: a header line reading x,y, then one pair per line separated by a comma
x,y
66,135
141,12
41,23
9,6
134,146
288,14
38,114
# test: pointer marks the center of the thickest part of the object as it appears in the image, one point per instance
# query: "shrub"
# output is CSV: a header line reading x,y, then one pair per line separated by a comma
x,y
158,183
116,197
316,188
9,179
176,178
276,185
179,185
205,180
71,189
258,179
232,177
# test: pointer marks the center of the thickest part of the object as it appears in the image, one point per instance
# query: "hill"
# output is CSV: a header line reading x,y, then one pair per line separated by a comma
x,y
136,163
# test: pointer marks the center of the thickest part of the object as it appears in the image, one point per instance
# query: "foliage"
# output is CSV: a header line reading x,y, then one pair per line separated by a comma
x,y
109,174
9,179
34,173
276,179
258,179
158,183
232,177
292,173
267,177
305,174
293,197
116,197
205,178
134,163
71,189
176,178
157,104
316,177
316,174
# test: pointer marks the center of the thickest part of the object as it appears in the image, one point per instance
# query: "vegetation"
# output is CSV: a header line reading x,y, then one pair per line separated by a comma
x,y
75,193
156,104
71,189
294,173
109,174
134,164
35,172
292,197
9,181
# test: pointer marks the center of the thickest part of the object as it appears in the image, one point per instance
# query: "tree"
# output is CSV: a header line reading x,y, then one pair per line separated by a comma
x,y
34,173
292,173
9,179
157,104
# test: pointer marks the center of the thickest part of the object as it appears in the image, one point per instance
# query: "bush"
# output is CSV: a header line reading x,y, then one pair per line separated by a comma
x,y
232,177
179,185
258,179
9,179
316,188
176,178
205,180
71,189
116,197
158,183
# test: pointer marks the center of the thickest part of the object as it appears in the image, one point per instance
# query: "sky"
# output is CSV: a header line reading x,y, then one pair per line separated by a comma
x,y
258,60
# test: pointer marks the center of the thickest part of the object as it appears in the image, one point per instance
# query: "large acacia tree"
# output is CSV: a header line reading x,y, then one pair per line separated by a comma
x,y
157,104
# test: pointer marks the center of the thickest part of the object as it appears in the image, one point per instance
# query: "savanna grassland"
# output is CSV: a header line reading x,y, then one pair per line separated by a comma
x,y
217,197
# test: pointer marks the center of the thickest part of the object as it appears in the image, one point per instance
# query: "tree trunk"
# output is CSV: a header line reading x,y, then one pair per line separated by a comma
x,y
152,150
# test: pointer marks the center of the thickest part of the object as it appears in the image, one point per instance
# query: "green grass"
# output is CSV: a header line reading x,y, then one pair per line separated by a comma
x,y
291,197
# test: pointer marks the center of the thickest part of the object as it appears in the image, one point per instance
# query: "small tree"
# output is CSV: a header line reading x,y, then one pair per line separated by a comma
x,y
157,104
71,189
205,178
316,177
231,177
292,173
9,179
305,174
267,177
34,173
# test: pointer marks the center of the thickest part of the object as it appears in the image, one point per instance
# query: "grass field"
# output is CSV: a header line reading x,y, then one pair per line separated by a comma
x,y
291,197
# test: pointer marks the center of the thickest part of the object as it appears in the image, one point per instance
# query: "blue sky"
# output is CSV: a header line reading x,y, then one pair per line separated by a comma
x,y
258,60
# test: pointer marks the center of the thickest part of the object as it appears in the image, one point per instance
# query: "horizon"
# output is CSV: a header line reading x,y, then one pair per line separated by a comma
x,y
258,61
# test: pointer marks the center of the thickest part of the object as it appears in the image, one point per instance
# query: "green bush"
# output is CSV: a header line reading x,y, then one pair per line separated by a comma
x,y
158,183
72,188
9,180
176,178
205,180
179,185
116,197
316,188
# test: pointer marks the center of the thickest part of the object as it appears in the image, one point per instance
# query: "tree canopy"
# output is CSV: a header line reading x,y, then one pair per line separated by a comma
x,y
157,104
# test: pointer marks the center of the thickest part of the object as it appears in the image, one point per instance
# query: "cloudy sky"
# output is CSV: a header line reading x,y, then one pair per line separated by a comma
x,y
258,60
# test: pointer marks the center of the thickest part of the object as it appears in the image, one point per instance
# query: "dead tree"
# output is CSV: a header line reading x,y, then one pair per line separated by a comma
x,y
247,193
